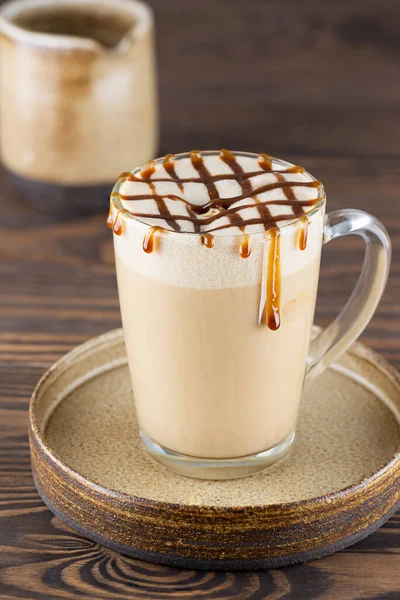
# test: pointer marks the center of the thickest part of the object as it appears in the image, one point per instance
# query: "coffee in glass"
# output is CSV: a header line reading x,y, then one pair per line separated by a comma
x,y
217,257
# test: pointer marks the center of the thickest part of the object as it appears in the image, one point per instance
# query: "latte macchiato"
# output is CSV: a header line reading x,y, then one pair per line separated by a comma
x,y
217,259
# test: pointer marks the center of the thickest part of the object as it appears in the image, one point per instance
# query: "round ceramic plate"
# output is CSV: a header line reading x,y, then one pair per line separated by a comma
x,y
337,485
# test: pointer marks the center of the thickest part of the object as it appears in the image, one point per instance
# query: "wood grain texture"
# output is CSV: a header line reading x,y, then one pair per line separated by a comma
x,y
313,82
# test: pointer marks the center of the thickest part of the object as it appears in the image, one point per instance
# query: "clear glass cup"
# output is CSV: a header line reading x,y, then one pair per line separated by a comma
x,y
219,338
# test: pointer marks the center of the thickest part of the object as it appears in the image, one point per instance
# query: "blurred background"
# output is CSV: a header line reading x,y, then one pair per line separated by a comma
x,y
312,82
309,79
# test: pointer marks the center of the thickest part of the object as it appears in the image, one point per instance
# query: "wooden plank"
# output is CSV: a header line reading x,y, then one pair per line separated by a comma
x,y
41,558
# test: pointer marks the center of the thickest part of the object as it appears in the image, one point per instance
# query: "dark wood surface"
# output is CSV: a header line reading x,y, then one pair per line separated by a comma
x,y
313,82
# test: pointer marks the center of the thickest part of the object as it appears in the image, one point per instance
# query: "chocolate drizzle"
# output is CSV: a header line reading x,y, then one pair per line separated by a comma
x,y
230,159
146,172
298,210
169,166
208,213
205,176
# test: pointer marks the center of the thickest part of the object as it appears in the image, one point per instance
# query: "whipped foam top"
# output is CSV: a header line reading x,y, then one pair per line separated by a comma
x,y
229,207
218,193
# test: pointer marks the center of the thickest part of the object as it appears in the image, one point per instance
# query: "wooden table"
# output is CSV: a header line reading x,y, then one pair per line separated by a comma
x,y
316,83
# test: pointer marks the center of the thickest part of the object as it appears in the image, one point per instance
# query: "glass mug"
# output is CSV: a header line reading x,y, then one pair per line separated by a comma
x,y
217,389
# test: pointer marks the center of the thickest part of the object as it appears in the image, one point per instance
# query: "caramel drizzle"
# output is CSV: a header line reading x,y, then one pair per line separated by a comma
x,y
110,219
269,311
149,240
204,174
196,210
207,240
115,224
129,176
169,166
230,159
270,297
303,233
269,308
222,203
146,172
295,204
245,247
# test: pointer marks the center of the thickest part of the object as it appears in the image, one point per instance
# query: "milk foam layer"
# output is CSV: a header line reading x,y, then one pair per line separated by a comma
x,y
180,259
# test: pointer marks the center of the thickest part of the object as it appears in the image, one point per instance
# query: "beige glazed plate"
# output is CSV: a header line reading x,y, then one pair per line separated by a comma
x,y
339,483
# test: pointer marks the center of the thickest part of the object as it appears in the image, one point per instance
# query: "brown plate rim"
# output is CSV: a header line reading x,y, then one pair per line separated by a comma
x,y
357,349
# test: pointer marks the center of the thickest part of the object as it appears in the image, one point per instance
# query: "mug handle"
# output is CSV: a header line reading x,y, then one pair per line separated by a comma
x,y
360,307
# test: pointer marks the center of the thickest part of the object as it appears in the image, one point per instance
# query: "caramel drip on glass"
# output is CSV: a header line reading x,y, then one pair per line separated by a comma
x,y
148,170
207,240
118,228
149,240
115,224
270,299
245,247
265,162
303,233
110,220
